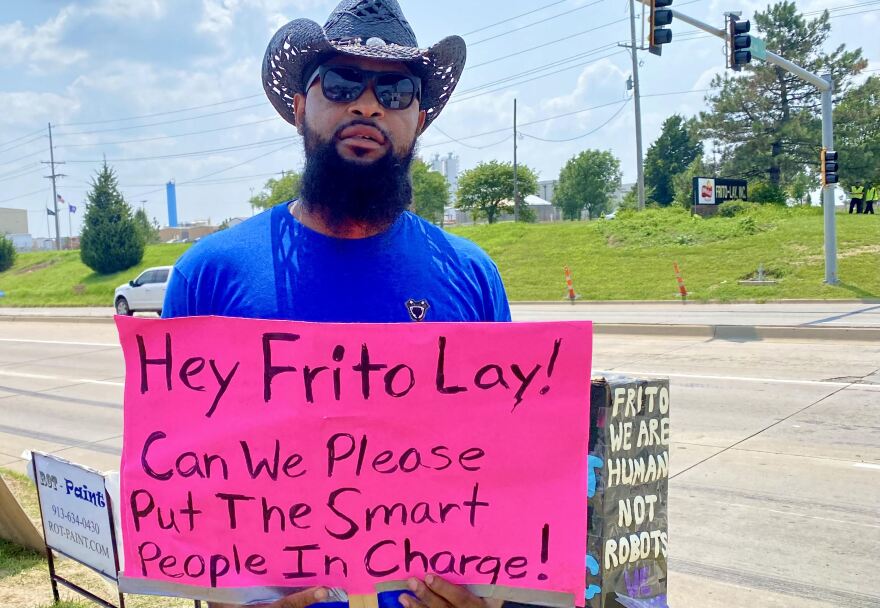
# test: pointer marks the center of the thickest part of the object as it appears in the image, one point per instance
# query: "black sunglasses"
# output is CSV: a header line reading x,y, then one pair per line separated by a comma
x,y
344,84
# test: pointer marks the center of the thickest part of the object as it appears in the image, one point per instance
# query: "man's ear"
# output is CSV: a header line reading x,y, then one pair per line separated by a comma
x,y
422,116
299,111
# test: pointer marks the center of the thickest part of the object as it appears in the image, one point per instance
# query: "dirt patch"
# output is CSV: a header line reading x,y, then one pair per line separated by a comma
x,y
847,253
36,267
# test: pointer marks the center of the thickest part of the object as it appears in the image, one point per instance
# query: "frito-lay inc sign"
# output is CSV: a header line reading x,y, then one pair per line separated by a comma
x,y
716,190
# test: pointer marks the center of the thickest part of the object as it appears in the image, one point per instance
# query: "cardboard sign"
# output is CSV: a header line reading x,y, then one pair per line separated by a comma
x,y
261,453
76,520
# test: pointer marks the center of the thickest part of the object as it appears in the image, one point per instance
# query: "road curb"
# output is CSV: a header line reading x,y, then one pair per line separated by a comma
x,y
744,333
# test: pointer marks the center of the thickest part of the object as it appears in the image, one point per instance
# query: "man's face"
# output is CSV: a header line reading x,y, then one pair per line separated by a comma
x,y
330,121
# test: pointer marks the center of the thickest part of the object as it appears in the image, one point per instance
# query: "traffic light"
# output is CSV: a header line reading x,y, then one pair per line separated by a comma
x,y
739,42
657,34
828,166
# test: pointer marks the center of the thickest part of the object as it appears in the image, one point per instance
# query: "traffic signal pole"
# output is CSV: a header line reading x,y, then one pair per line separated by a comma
x,y
825,85
640,168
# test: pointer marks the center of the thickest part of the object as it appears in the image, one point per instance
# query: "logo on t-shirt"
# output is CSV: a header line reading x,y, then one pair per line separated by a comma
x,y
417,309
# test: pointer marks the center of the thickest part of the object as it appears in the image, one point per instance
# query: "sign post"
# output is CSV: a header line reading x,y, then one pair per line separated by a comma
x,y
77,521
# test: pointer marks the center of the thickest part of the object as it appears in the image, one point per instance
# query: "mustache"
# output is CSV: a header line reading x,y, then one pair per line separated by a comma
x,y
367,123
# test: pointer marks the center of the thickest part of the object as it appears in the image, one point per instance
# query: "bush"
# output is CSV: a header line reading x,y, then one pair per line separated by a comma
x,y
762,192
734,208
7,254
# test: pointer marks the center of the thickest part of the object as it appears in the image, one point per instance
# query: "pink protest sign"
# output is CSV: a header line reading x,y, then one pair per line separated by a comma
x,y
277,453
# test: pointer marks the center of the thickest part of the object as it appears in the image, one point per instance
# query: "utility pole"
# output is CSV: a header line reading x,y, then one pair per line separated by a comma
x,y
640,170
53,177
515,182
825,86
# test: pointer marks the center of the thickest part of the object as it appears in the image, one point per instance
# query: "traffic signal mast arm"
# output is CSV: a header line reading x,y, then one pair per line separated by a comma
x,y
773,58
825,86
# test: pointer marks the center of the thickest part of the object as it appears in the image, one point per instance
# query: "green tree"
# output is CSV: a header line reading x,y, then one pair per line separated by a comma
x,y
767,121
487,189
857,134
430,191
149,233
278,190
798,189
587,181
7,253
683,183
110,239
671,153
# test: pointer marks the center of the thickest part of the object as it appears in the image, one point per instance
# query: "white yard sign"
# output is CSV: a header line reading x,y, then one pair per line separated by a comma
x,y
76,520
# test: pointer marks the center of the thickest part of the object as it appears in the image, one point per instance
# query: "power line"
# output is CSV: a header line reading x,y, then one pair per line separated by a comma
x,y
535,10
24,143
12,141
131,141
256,144
229,168
571,67
677,93
540,46
126,118
612,117
20,172
166,122
15,160
539,68
444,133
528,124
6,200
534,23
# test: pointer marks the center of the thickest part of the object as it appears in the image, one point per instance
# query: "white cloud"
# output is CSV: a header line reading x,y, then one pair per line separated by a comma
x,y
129,9
32,108
217,16
39,48
601,75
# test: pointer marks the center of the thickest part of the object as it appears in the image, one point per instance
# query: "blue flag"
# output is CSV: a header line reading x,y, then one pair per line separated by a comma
x,y
71,208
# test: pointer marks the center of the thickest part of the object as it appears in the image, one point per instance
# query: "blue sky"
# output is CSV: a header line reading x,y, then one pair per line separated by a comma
x,y
91,67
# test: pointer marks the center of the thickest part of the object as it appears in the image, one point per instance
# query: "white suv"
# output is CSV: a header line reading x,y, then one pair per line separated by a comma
x,y
145,293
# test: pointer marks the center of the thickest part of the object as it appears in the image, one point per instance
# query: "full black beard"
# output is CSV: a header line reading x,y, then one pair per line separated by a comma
x,y
341,191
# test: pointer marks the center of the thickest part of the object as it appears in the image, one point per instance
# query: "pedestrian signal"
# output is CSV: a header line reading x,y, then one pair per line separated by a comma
x,y
828,166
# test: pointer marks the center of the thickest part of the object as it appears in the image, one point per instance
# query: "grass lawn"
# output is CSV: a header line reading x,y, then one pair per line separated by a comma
x,y
628,258
24,575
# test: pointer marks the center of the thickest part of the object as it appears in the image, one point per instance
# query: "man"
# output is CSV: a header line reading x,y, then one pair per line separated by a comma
x,y
870,197
855,201
360,91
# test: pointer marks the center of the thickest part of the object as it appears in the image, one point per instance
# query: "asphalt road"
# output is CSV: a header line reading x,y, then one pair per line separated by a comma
x,y
775,480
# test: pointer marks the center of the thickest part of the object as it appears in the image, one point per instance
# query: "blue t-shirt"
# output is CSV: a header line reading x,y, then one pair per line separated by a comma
x,y
273,267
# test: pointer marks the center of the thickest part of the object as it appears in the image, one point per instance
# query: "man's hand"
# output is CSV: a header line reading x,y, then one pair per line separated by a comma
x,y
434,592
301,599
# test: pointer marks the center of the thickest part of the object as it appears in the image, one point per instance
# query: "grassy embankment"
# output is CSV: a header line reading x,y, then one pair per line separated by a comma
x,y
24,575
629,258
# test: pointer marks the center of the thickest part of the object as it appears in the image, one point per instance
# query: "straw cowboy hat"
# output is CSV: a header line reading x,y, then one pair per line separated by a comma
x,y
375,29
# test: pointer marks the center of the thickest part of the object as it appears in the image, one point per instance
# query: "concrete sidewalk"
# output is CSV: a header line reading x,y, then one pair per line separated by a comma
x,y
833,320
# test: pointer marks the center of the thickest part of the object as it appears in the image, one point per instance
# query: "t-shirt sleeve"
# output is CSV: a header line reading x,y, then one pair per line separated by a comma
x,y
177,296
500,305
